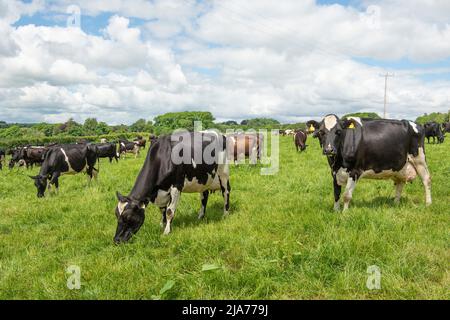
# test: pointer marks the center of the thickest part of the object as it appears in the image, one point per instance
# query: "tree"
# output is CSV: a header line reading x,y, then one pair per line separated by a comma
x,y
90,126
168,122
142,126
367,115
435,116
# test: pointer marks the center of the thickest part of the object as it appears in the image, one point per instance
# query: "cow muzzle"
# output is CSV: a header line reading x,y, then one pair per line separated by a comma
x,y
329,151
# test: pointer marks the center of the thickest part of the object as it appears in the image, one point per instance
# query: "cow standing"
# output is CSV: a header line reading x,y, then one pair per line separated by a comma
x,y
140,142
375,149
300,140
241,145
433,130
446,127
163,177
65,159
28,155
107,150
126,146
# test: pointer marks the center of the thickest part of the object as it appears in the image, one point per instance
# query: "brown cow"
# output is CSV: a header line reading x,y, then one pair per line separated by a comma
x,y
241,145
300,140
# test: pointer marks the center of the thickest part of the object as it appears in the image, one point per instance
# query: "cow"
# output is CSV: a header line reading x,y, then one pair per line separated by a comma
x,y
140,142
376,149
312,126
433,130
107,150
446,127
2,158
126,146
164,177
28,155
241,145
65,159
300,140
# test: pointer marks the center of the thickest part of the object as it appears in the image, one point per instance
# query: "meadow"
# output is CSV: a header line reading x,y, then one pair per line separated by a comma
x,y
282,240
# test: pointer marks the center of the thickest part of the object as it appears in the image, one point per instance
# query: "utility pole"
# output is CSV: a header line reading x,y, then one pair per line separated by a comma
x,y
385,90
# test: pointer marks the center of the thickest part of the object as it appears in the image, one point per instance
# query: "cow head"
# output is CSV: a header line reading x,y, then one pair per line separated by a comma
x,y
329,135
41,184
340,136
130,217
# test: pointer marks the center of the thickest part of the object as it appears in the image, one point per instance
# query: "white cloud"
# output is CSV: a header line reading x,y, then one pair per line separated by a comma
x,y
291,60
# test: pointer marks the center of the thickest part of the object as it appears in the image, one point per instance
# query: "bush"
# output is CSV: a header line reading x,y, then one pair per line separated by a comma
x,y
40,141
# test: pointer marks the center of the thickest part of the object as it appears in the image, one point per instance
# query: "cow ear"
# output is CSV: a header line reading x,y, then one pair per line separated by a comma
x,y
121,198
352,139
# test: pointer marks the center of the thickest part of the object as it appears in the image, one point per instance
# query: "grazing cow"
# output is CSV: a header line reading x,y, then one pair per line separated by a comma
x,y
126,146
376,149
300,140
434,130
2,158
241,145
163,178
107,150
27,155
65,159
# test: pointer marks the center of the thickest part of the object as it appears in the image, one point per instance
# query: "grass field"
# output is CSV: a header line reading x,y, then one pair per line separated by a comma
x,y
281,241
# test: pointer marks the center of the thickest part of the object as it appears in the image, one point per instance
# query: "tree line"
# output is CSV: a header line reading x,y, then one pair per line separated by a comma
x,y
161,124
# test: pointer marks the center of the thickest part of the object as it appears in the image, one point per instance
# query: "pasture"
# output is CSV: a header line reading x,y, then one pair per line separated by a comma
x,y
282,239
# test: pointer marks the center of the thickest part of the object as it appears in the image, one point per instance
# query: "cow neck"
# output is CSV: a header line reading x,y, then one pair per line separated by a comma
x,y
142,188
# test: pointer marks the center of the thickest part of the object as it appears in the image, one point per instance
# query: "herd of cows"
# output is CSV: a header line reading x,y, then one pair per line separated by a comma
x,y
355,148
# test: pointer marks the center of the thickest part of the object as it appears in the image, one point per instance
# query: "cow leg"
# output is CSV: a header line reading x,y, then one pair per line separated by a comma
x,y
54,181
337,193
204,201
351,184
398,190
163,216
226,188
421,167
170,213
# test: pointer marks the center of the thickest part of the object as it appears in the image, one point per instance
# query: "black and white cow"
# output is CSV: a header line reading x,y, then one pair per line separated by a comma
x,y
374,149
28,156
107,150
126,146
164,176
433,130
65,159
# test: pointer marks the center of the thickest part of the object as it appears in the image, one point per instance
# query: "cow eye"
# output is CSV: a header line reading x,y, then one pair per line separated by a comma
x,y
338,132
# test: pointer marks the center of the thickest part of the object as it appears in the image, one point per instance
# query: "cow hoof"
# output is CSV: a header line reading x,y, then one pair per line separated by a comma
x,y
226,214
337,207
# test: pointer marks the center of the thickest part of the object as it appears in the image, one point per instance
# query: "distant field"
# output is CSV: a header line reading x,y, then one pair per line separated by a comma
x,y
281,241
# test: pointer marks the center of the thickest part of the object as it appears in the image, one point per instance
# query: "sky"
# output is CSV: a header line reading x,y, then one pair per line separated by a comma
x,y
291,60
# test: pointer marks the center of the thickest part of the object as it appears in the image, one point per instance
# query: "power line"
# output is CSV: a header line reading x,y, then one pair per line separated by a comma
x,y
386,76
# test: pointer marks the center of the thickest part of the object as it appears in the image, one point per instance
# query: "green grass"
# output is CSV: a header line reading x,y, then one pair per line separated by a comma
x,y
282,239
